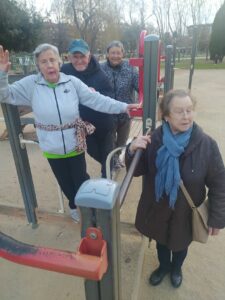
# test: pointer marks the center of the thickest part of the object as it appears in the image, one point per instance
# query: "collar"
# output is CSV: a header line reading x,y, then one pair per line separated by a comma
x,y
63,78
117,67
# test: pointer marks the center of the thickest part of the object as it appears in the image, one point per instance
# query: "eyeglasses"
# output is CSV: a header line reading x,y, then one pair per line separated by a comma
x,y
50,61
183,112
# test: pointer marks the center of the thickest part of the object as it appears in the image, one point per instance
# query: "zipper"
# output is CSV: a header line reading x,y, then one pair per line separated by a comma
x,y
60,120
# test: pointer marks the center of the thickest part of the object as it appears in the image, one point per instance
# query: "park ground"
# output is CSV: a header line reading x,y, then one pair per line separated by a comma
x,y
204,269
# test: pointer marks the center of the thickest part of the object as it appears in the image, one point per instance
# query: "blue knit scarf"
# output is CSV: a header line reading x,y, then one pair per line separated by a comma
x,y
167,163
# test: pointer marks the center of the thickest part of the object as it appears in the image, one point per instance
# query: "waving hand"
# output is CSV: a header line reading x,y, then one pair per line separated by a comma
x,y
4,60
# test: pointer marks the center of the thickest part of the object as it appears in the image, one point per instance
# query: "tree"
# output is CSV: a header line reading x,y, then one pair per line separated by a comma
x,y
61,32
217,41
19,26
88,18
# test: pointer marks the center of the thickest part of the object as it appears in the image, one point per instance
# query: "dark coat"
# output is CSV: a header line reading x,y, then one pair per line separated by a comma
x,y
93,77
201,166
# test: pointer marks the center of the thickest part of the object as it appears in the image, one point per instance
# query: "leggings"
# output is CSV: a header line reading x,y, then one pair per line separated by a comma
x,y
70,173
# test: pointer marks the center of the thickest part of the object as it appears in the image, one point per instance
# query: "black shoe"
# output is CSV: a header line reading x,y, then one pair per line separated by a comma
x,y
157,276
176,278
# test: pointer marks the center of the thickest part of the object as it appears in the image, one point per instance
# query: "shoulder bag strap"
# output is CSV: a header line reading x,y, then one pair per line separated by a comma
x,y
187,196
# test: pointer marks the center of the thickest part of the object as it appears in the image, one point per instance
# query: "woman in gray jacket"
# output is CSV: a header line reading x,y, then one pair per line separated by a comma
x,y
54,98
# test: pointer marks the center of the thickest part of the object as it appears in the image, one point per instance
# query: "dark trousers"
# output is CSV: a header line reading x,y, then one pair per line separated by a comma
x,y
99,146
120,135
169,259
121,132
70,173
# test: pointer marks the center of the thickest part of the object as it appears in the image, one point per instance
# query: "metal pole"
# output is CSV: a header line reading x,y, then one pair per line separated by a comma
x,y
150,81
99,205
21,160
193,54
168,68
12,120
151,46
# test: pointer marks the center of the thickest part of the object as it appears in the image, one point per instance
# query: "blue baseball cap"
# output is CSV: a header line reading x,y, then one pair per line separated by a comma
x,y
79,45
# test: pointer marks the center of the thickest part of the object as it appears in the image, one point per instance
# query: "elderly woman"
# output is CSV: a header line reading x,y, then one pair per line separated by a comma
x,y
177,150
54,98
124,81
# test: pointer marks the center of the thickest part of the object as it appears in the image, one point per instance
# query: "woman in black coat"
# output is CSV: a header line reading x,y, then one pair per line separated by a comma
x,y
177,150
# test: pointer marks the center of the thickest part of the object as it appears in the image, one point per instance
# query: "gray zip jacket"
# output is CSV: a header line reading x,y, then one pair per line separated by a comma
x,y
56,106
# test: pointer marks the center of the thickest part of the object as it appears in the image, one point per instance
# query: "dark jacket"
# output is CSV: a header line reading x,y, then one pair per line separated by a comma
x,y
201,166
93,77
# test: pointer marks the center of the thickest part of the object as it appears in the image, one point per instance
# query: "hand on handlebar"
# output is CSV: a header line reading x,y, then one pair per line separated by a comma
x,y
140,142
133,106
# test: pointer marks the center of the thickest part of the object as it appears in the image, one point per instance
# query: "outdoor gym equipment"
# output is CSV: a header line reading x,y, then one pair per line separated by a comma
x,y
139,62
90,261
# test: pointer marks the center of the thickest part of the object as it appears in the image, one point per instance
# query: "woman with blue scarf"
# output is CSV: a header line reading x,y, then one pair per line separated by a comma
x,y
177,150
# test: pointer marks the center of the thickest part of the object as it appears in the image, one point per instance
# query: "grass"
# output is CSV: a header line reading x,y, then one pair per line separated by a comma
x,y
200,64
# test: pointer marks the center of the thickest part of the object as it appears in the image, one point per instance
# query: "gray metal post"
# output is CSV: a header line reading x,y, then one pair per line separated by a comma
x,y
151,47
21,160
99,205
168,68
12,120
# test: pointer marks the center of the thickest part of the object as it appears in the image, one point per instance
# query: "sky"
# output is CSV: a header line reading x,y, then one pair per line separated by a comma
x,y
43,5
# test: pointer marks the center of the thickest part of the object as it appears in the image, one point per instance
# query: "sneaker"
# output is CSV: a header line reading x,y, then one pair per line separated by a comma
x,y
122,164
75,215
118,164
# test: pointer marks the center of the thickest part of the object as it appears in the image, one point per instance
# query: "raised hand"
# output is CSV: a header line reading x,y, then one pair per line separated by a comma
x,y
4,60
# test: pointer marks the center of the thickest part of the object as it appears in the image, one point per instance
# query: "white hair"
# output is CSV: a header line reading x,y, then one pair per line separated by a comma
x,y
42,48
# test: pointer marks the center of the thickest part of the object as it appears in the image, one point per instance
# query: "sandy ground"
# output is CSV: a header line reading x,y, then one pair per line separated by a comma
x,y
204,270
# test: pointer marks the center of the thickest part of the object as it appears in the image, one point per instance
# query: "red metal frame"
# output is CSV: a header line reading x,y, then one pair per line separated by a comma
x,y
139,62
89,262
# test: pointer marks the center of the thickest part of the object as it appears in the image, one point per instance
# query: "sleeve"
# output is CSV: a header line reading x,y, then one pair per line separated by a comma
x,y
96,101
215,181
18,93
141,168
